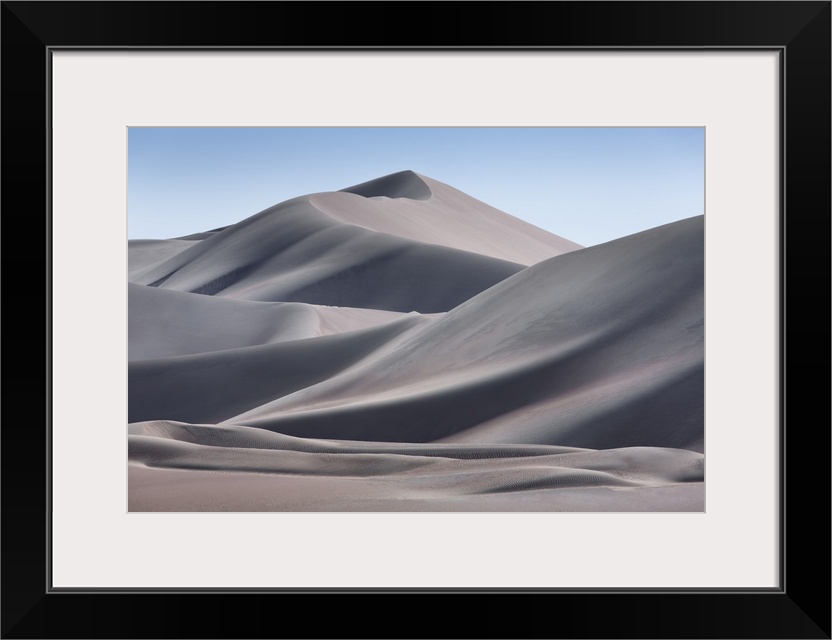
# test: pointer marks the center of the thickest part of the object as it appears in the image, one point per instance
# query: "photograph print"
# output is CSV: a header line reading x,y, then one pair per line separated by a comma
x,y
416,319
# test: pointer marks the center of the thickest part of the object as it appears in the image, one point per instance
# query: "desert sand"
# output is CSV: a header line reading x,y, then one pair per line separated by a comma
x,y
401,346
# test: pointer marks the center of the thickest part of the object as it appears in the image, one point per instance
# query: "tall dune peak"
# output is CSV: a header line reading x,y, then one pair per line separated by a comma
x,y
403,184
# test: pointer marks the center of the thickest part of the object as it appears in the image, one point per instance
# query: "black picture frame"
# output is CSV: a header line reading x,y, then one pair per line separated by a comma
x,y
798,608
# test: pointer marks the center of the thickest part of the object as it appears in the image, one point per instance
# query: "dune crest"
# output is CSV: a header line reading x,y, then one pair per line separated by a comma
x,y
404,184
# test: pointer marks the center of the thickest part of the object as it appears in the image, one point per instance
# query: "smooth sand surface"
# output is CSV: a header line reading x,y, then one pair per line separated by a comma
x,y
293,252
165,323
612,355
143,255
414,206
218,385
386,348
242,468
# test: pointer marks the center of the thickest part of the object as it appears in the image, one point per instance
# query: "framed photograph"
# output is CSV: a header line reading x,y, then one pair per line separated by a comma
x,y
660,492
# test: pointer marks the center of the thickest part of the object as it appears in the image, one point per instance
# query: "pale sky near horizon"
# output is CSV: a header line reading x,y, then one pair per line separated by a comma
x,y
589,185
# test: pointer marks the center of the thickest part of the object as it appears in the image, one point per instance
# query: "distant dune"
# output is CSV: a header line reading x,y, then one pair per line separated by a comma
x,y
401,346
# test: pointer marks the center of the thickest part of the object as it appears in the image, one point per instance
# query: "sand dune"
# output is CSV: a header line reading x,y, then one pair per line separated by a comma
x,y
388,348
414,206
214,386
158,489
612,354
165,323
143,255
399,243
294,252
404,184
421,477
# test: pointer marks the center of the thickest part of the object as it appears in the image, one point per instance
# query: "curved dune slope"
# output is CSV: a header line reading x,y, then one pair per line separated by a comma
x,y
414,206
293,252
165,323
211,387
598,348
143,255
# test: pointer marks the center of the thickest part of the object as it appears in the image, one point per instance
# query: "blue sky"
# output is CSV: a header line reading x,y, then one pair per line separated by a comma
x,y
589,185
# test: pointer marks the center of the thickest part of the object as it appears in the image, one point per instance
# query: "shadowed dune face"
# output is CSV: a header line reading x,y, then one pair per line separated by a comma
x,y
215,386
165,323
145,254
295,253
389,338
